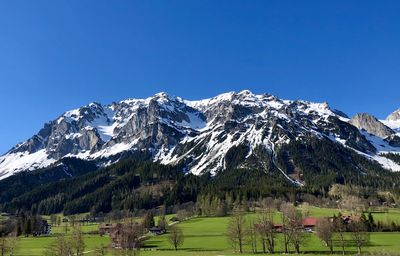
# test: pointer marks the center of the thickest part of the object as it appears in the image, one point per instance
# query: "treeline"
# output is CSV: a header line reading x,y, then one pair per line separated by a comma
x,y
392,156
261,234
129,184
23,224
322,163
134,184
23,182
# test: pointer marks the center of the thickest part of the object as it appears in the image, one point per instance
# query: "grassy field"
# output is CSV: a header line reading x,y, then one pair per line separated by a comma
x,y
85,228
207,237
35,246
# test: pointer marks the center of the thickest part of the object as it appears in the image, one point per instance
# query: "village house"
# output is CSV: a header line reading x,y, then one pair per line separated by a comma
x,y
308,224
122,236
157,230
107,228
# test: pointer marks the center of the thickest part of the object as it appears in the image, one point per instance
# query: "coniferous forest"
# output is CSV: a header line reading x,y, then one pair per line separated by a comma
x,y
135,183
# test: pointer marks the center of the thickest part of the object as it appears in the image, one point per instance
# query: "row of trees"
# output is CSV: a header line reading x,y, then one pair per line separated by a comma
x,y
241,231
134,185
8,243
67,245
264,230
62,246
23,225
327,229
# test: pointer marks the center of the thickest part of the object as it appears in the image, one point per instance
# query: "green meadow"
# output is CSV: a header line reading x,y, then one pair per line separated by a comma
x,y
206,236
32,246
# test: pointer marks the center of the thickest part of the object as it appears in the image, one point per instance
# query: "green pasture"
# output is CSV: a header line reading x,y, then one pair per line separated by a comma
x,y
206,236
35,246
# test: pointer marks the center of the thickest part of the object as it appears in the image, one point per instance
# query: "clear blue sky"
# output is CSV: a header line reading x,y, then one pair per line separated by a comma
x,y
59,55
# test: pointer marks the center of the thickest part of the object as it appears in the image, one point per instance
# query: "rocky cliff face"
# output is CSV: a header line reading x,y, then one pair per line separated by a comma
x,y
199,135
371,124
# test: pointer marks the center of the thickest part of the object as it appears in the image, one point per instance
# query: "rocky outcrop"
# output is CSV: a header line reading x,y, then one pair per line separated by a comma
x,y
371,124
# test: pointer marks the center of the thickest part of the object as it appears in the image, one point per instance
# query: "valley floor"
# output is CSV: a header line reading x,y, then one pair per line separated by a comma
x,y
206,236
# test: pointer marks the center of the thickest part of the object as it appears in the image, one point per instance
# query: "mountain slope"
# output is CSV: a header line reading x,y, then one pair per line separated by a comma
x,y
371,124
206,136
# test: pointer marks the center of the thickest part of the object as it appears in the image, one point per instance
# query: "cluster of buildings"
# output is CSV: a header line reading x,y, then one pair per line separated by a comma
x,y
309,223
119,236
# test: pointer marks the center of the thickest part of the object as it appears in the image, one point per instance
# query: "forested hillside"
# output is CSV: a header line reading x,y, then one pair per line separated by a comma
x,y
76,186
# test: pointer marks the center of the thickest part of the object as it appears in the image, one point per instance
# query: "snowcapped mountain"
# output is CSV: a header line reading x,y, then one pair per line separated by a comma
x,y
202,136
393,121
395,116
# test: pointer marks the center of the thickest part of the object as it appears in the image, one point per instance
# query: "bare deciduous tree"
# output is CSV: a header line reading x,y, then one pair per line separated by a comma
x,y
237,231
324,229
252,236
305,209
285,208
265,229
12,242
53,219
130,234
127,236
294,227
77,243
353,204
359,235
175,237
60,247
3,245
340,229
72,220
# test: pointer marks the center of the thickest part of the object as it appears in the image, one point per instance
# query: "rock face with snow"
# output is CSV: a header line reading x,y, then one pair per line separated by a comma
x,y
201,136
393,121
395,116
371,124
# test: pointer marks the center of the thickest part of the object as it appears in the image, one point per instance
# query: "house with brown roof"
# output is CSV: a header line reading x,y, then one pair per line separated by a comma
x,y
308,224
127,235
107,228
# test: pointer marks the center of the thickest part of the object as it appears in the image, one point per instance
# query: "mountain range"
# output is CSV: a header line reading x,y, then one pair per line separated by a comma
x,y
231,130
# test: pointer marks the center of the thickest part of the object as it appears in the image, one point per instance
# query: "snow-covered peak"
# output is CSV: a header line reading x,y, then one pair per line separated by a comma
x,y
395,116
248,99
199,104
89,111
393,121
244,98
246,92
164,96
161,97
198,134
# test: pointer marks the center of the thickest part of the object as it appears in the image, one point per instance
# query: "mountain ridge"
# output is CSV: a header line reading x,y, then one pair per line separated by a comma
x,y
198,135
